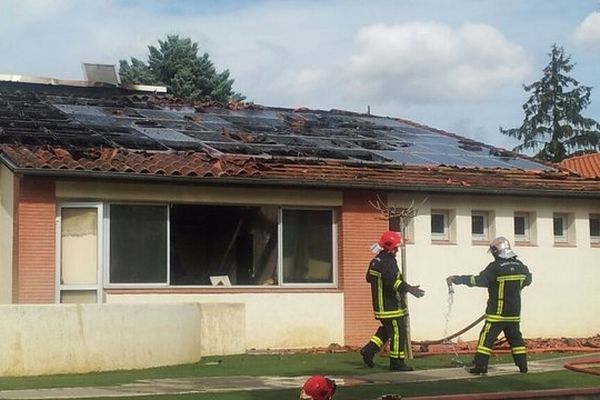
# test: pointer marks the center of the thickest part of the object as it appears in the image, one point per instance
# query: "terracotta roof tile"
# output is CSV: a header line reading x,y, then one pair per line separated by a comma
x,y
587,165
199,165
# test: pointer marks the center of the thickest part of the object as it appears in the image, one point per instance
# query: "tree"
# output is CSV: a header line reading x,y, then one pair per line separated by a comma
x,y
553,124
176,64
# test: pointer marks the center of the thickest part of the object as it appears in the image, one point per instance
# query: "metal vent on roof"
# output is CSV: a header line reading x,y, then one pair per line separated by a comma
x,y
106,73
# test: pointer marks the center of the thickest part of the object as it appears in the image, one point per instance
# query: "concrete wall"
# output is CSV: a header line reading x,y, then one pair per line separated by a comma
x,y
6,234
563,301
53,339
272,320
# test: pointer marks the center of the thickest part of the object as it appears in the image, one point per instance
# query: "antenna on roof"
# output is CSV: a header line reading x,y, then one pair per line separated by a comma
x,y
368,110
105,73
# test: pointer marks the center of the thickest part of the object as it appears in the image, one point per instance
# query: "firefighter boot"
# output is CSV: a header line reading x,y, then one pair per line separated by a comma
x,y
398,364
521,362
480,364
367,353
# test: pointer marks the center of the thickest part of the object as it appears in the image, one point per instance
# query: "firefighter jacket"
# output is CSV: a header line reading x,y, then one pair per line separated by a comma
x,y
387,286
504,279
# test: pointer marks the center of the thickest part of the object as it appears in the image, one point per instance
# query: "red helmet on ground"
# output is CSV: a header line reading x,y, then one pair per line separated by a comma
x,y
318,387
390,241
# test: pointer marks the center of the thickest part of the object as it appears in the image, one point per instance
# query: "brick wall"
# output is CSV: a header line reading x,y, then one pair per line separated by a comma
x,y
360,227
34,244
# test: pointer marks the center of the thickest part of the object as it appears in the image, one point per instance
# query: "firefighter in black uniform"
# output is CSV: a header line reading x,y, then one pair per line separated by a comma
x,y
504,278
387,288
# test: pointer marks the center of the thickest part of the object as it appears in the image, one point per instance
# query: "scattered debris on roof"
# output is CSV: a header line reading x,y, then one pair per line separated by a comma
x,y
103,130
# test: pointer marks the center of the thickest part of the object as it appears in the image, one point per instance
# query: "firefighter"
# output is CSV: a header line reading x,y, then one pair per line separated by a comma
x,y
318,387
387,290
504,278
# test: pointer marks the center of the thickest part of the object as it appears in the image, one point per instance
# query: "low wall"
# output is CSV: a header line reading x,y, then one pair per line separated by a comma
x,y
68,338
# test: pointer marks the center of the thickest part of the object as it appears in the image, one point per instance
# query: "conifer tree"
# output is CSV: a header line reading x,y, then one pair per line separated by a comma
x,y
553,124
175,63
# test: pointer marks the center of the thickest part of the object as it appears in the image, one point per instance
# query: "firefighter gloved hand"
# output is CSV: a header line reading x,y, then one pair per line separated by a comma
x,y
416,291
454,279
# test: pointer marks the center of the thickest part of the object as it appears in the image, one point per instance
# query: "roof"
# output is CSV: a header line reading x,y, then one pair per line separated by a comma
x,y
113,133
586,165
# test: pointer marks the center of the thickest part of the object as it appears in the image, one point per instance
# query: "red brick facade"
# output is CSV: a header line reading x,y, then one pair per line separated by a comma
x,y
360,227
35,241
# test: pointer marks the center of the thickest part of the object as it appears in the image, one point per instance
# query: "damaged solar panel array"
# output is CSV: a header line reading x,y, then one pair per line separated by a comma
x,y
139,124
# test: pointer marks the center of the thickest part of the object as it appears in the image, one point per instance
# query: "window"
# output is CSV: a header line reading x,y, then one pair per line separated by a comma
x,y
521,227
480,226
307,246
202,245
439,225
561,234
138,244
595,228
394,225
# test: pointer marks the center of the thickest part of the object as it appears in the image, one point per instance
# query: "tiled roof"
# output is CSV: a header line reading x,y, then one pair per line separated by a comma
x,y
201,165
586,165
103,132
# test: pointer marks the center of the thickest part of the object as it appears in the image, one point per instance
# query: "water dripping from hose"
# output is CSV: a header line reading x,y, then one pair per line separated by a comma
x,y
455,361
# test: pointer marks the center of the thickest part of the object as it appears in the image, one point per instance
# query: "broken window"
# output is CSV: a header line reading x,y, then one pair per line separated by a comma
x,y
208,240
202,245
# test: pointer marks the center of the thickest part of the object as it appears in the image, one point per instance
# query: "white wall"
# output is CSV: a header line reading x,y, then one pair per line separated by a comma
x,y
564,299
53,339
273,320
6,234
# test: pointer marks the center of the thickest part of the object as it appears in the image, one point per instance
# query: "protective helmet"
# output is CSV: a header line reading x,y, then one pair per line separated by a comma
x,y
500,247
390,241
317,387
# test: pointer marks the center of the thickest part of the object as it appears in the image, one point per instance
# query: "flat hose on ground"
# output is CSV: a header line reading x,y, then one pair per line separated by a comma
x,y
449,337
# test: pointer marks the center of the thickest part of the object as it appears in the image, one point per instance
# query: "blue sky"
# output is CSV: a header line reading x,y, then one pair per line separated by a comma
x,y
455,65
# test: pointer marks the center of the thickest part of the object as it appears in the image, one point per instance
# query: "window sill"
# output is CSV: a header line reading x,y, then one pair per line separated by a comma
x,y
525,244
564,244
482,242
595,245
443,242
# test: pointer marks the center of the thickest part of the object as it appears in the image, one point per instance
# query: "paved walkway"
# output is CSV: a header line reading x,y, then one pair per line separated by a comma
x,y
237,383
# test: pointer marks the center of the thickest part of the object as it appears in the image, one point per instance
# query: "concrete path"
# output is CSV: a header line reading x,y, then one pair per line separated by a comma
x,y
237,383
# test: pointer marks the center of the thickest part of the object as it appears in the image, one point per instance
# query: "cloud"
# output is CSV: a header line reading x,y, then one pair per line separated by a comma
x,y
432,62
588,32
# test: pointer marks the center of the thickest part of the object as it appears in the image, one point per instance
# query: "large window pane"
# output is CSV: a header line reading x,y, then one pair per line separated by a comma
x,y
307,246
138,244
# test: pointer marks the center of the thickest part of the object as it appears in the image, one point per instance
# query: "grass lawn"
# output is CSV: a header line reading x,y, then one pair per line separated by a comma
x,y
338,364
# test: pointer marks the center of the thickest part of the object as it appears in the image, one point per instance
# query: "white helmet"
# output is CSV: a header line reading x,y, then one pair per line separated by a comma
x,y
500,247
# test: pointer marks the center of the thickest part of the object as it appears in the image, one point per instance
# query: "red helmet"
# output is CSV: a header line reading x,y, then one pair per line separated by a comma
x,y
390,241
318,387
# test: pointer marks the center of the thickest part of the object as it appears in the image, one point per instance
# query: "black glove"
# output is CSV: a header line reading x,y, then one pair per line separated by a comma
x,y
454,279
416,291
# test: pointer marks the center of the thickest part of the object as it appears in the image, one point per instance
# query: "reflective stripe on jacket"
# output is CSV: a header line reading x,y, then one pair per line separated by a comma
x,y
504,279
387,286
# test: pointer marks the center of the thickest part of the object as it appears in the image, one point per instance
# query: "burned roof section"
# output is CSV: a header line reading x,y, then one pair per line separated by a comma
x,y
110,133
75,118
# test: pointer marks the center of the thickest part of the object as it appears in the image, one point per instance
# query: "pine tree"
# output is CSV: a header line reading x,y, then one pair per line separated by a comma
x,y
175,63
553,124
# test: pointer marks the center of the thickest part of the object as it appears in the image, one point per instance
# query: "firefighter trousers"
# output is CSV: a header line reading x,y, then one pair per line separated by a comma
x,y
394,330
487,337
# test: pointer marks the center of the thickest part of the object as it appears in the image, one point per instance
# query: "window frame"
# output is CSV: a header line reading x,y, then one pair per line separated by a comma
x,y
594,239
445,235
106,248
485,236
99,286
334,255
526,236
564,237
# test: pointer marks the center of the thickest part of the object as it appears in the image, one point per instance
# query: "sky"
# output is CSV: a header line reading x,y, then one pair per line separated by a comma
x,y
455,65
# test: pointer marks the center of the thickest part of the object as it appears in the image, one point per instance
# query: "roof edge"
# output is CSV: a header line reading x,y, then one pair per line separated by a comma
x,y
242,181
75,83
